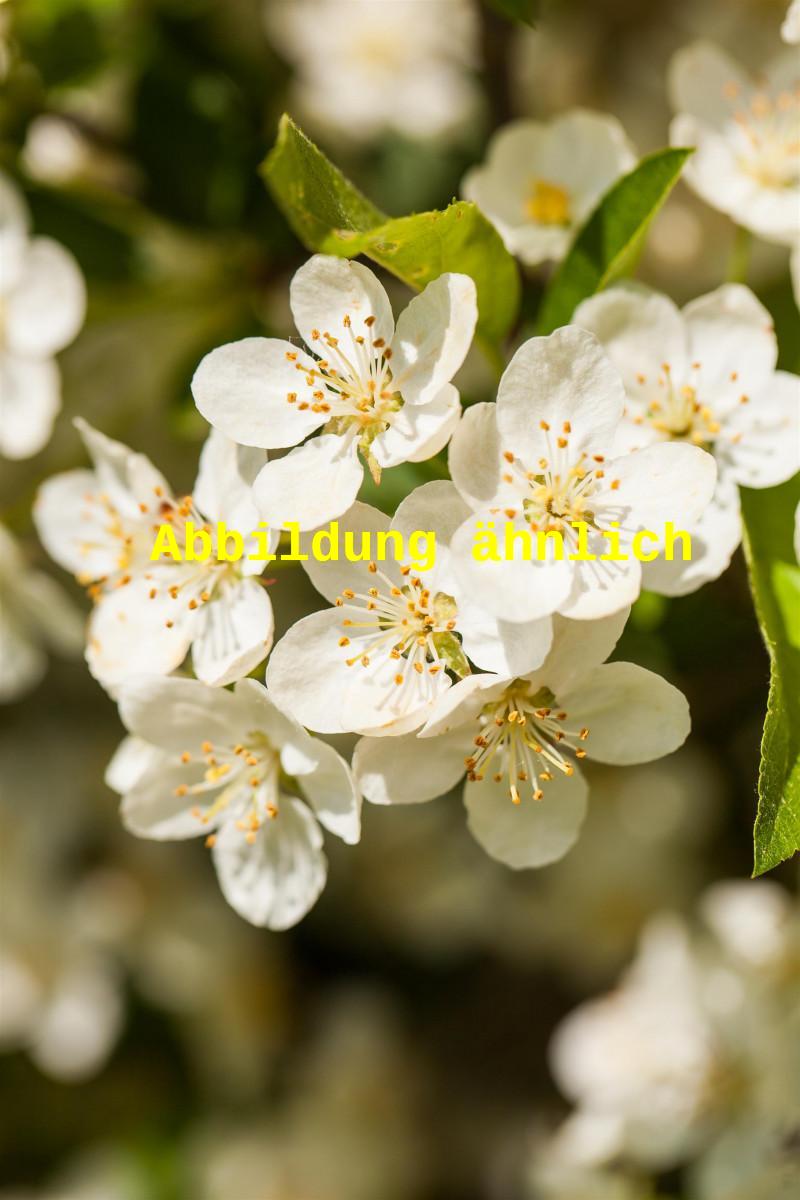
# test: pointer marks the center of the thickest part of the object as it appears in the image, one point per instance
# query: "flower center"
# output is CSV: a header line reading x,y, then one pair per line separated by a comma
x,y
561,488
410,624
246,777
524,738
769,134
677,412
351,383
547,203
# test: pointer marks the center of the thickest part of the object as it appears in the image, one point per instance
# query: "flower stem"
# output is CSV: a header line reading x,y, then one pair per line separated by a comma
x,y
739,261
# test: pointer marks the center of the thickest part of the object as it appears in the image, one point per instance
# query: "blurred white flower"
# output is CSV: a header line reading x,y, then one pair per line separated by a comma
x,y
62,999
232,766
790,29
102,524
347,1127
705,375
543,458
373,388
368,66
694,1054
42,307
540,182
377,661
36,615
519,740
747,137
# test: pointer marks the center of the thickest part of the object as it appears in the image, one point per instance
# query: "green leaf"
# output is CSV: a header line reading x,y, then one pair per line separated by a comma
x,y
330,215
517,10
775,583
609,238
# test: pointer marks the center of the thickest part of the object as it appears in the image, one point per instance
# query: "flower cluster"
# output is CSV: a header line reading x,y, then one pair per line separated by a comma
x,y
483,669
492,672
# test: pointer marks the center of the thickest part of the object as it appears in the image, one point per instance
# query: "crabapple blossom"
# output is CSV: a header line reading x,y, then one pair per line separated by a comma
x,y
541,181
377,660
519,740
542,459
688,1055
706,376
747,137
233,767
35,615
371,388
374,65
101,524
42,307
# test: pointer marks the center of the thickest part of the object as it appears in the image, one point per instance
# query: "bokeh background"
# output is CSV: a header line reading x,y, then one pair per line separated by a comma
x,y
394,1046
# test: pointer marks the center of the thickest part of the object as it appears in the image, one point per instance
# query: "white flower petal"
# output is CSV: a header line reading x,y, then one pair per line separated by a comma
x,y
669,481
233,632
433,336
578,647
128,635
602,588
243,389
420,431
462,704
326,291
410,770
178,714
769,449
331,792
633,716
639,330
130,762
223,490
500,646
276,880
47,305
714,538
73,525
513,589
532,833
331,578
128,479
584,152
701,77
566,377
312,484
308,675
730,330
157,807
30,398
476,458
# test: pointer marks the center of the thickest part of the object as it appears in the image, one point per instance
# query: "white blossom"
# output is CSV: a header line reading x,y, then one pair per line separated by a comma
x,y
706,376
233,767
691,1055
790,29
519,740
544,457
101,524
369,66
36,615
42,307
541,181
377,660
747,137
369,387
